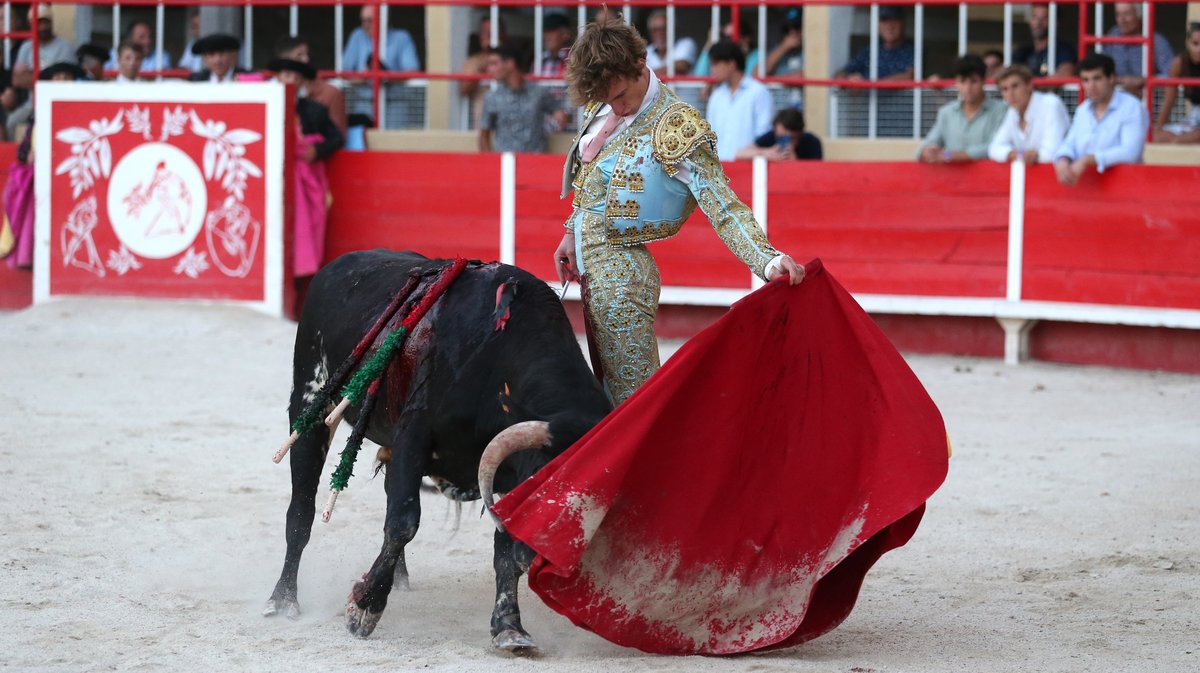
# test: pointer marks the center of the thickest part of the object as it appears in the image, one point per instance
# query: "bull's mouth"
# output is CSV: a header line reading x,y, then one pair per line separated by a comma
x,y
520,437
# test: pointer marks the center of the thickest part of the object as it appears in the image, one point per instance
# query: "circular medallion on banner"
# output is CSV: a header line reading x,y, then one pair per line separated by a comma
x,y
156,200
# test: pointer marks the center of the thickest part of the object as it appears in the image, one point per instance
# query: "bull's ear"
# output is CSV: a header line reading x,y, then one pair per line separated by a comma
x,y
505,293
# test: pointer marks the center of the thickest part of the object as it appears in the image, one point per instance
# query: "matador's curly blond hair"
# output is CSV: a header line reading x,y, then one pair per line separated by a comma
x,y
606,50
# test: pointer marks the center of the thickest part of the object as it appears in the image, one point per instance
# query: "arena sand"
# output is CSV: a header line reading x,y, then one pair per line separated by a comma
x,y
143,522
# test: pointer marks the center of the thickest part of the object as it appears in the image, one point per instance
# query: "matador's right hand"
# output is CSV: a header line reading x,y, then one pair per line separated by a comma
x,y
564,260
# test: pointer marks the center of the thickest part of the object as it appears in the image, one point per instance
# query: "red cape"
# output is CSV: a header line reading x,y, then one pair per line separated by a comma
x,y
737,500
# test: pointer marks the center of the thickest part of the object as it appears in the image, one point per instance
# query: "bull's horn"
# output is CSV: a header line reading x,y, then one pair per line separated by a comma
x,y
519,437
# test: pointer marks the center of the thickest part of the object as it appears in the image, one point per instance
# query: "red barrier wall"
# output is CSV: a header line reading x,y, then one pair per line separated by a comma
x,y
1130,236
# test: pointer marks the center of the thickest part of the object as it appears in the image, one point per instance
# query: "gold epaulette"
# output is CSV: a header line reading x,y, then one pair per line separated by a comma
x,y
676,134
592,107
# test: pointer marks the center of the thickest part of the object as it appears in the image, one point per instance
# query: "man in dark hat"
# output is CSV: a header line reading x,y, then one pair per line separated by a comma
x,y
220,55
62,72
91,58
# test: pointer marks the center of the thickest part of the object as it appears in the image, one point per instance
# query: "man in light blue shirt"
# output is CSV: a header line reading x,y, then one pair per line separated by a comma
x,y
1109,127
401,53
740,108
141,33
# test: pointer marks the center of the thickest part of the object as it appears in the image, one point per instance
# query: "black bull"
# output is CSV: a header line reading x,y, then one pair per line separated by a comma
x,y
496,350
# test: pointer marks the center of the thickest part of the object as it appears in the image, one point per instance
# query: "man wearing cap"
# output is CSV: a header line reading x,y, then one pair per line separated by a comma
x,y
220,55
51,49
896,55
556,44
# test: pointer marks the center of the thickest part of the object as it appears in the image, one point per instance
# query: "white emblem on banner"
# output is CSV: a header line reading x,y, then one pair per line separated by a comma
x,y
78,248
156,200
232,234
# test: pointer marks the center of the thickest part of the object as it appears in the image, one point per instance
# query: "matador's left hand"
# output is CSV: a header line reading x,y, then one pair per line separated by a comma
x,y
789,266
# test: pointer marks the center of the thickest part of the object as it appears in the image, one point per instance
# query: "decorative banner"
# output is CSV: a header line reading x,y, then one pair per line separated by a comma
x,y
170,190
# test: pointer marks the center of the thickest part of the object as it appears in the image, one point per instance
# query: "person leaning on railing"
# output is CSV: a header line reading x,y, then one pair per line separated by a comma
x,y
1109,128
965,127
1186,64
1034,124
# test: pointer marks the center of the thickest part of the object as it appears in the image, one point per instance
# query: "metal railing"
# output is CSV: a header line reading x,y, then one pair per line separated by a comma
x,y
866,108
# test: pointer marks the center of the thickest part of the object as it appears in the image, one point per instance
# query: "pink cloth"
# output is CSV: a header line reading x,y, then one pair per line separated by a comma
x,y
311,188
596,144
18,206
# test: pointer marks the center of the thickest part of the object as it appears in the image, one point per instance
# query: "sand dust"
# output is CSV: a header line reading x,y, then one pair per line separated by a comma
x,y
143,521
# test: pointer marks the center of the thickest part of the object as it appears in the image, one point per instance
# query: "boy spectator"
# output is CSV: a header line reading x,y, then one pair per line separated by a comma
x,y
896,55
129,61
1109,128
1034,124
513,112
219,52
740,108
1035,55
994,60
965,127
1128,57
787,140
141,33
684,53
556,44
787,58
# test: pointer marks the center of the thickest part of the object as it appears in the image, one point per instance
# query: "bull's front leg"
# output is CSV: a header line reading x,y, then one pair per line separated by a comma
x,y
511,560
403,486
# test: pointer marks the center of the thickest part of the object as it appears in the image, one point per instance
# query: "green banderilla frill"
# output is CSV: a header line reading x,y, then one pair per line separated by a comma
x,y
373,369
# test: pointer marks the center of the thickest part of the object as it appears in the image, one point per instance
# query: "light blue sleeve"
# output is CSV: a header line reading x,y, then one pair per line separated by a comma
x,y
357,52
402,53
111,63
937,134
764,112
1131,139
1069,147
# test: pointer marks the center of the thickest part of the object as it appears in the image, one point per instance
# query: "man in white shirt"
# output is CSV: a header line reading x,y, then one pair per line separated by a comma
x,y
684,53
1109,127
740,108
1035,123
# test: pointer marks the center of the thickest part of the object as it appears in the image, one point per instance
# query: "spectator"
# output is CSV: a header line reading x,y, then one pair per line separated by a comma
x,y
476,64
190,60
683,54
401,53
91,58
1034,124
315,88
142,33
219,52
1035,55
994,60
513,112
129,61
786,140
740,108
896,54
787,58
51,49
965,127
1128,57
556,44
745,41
1186,64
1109,127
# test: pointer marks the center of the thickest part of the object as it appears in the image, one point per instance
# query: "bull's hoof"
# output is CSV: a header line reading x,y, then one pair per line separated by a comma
x,y
512,640
287,606
361,622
